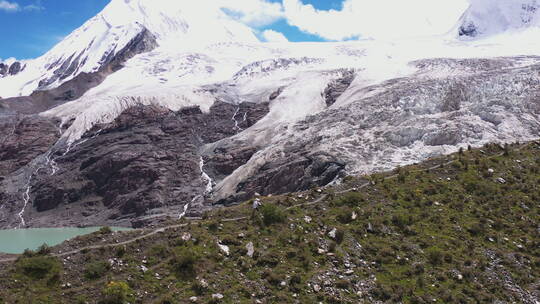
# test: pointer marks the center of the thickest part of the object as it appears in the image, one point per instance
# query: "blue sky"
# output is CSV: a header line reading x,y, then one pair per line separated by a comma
x,y
36,26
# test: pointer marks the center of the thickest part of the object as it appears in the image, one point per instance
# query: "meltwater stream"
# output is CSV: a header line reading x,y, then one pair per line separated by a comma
x,y
15,241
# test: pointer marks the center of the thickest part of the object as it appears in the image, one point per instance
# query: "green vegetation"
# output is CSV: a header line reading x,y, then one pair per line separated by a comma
x,y
39,267
184,260
116,293
96,270
463,232
272,214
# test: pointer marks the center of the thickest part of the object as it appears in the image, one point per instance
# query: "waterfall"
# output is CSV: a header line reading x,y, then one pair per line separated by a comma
x,y
206,177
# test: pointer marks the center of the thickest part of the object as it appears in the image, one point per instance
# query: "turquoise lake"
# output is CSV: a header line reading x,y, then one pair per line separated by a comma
x,y
15,241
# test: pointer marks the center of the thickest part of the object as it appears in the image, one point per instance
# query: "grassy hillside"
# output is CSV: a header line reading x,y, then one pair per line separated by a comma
x,y
458,229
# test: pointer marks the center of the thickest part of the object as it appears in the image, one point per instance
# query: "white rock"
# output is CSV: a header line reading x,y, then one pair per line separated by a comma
x,y
143,268
354,215
250,249
307,219
316,288
224,248
193,299
332,233
203,283
217,296
186,236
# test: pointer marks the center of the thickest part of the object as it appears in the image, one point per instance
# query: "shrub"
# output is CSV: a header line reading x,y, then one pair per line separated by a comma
x,y
105,230
401,221
44,249
184,260
435,256
343,284
350,199
344,216
272,214
340,235
39,267
273,277
120,251
116,293
96,270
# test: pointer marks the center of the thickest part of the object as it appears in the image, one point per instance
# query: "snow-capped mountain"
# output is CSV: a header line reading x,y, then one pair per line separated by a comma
x,y
121,24
146,112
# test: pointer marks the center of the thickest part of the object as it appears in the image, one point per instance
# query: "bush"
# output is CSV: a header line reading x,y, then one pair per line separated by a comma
x,y
117,293
344,216
435,256
273,277
184,260
350,199
105,230
272,214
120,251
39,267
96,270
44,250
340,235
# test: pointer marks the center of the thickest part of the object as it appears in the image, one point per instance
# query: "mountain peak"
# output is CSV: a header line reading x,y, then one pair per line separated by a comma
x,y
118,29
201,21
491,17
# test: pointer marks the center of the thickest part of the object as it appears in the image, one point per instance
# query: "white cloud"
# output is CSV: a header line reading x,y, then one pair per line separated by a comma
x,y
15,7
9,6
253,12
33,7
376,18
274,36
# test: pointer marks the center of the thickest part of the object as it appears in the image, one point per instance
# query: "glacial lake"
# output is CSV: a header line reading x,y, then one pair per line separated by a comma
x,y
15,241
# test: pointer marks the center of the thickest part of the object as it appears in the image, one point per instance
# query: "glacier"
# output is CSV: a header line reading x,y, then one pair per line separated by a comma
x,y
406,100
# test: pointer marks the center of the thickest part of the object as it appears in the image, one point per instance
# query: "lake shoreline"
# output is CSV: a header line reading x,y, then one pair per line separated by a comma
x,y
16,241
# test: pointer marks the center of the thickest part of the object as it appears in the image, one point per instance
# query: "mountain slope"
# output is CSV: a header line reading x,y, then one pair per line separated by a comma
x,y
248,117
456,229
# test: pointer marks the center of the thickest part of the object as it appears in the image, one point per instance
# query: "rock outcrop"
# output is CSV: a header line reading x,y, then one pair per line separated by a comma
x,y
144,165
11,69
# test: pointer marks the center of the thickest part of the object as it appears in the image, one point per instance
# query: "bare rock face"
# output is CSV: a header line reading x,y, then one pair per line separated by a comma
x,y
23,138
11,70
143,166
299,171
337,87
3,69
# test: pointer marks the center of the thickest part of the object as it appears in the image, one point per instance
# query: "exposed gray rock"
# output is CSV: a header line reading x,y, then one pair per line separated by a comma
x,y
337,87
141,168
